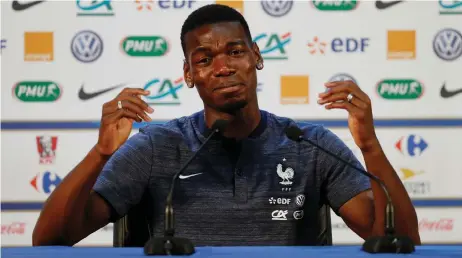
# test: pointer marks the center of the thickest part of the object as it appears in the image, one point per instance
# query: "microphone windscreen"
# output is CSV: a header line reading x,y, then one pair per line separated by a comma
x,y
294,133
220,124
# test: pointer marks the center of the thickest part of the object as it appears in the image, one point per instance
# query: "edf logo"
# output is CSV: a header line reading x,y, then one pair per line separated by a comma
x,y
349,45
411,145
176,4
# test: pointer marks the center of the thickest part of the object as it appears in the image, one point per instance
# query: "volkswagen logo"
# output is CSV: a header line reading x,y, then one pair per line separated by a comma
x,y
447,44
340,77
87,46
277,8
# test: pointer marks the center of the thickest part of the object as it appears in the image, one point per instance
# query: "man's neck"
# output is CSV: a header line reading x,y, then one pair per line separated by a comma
x,y
241,124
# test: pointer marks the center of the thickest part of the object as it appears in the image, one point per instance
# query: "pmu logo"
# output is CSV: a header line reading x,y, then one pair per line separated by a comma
x,y
94,8
164,92
450,6
46,147
145,46
274,45
45,182
336,5
411,145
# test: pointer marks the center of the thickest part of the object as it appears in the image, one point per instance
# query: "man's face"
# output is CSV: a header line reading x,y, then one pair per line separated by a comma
x,y
221,64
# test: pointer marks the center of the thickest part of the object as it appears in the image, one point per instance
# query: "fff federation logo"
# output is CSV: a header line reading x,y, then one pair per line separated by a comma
x,y
277,8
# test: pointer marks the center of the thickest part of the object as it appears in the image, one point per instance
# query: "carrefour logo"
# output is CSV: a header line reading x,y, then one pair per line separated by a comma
x,y
45,182
411,145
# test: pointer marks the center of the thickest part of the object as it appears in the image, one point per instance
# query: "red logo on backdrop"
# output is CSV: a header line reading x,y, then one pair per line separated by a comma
x,y
444,224
15,228
46,146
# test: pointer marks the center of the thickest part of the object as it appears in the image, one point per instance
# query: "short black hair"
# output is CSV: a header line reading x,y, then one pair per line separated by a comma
x,y
210,14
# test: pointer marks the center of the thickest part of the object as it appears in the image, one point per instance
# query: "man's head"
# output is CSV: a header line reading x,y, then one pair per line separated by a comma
x,y
220,57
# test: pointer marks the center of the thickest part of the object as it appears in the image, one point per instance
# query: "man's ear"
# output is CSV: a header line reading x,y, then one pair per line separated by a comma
x,y
258,58
187,74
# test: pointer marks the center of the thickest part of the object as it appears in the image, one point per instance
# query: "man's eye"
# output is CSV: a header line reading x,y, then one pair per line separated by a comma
x,y
236,52
203,60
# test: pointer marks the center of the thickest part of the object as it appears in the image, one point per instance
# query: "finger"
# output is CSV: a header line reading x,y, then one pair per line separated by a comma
x,y
342,96
113,105
347,87
140,103
116,116
127,104
337,86
133,92
337,89
352,109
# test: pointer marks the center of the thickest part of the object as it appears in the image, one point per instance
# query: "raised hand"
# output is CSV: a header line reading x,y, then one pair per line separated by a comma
x,y
347,95
118,116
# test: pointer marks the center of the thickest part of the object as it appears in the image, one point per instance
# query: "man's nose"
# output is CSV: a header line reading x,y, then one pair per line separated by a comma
x,y
221,66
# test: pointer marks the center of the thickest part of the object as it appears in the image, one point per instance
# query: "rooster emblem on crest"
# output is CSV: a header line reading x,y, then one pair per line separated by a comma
x,y
286,175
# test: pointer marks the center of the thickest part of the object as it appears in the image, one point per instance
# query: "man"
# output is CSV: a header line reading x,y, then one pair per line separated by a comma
x,y
229,194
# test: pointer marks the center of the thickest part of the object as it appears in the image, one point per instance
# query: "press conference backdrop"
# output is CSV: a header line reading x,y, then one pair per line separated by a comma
x,y
61,60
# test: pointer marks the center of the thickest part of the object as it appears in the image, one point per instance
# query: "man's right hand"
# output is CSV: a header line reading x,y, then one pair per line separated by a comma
x,y
116,123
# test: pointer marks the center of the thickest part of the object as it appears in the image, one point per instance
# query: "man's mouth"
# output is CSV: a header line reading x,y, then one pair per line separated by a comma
x,y
229,87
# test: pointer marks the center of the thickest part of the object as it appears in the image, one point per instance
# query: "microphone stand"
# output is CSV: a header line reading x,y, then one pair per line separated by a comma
x,y
390,242
169,244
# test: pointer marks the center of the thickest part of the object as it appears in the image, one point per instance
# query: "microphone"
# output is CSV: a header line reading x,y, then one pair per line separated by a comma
x,y
169,244
390,243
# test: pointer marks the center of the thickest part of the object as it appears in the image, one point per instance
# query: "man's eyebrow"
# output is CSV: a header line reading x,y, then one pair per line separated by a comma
x,y
200,49
236,42
229,44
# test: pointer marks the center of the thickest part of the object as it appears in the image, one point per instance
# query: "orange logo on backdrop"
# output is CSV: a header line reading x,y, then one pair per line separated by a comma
x,y
38,46
236,4
401,44
294,89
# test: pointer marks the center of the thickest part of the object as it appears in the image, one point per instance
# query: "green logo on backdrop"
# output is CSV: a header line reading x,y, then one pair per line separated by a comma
x,y
335,5
145,46
37,91
400,89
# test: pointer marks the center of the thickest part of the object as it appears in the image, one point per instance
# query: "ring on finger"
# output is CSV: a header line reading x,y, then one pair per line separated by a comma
x,y
350,97
119,104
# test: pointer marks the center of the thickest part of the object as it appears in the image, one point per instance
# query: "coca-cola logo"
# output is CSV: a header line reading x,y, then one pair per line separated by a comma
x,y
15,228
444,224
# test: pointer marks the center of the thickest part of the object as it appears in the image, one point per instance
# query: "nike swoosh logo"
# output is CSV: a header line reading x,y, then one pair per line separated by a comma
x,y
384,5
17,6
447,94
86,96
188,176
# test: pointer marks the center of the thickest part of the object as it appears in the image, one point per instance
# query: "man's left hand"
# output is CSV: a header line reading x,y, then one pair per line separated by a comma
x,y
360,120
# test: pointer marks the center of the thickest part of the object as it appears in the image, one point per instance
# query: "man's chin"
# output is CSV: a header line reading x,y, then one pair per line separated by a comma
x,y
233,107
